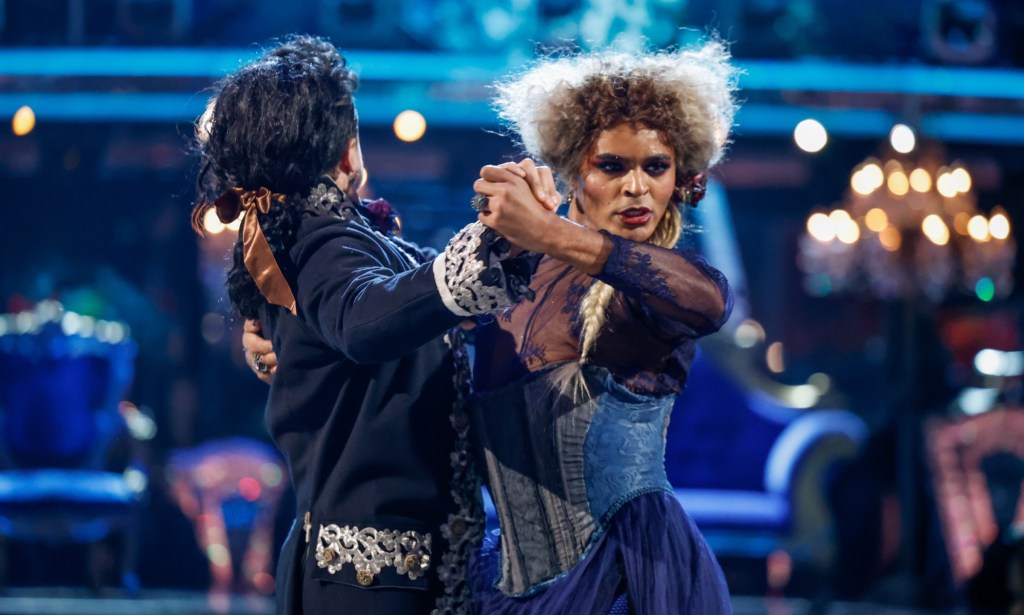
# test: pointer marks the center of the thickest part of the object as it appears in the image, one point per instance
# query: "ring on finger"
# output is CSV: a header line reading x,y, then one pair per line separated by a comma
x,y
258,364
479,202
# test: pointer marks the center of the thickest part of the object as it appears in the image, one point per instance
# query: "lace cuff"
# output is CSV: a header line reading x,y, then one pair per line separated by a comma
x,y
475,275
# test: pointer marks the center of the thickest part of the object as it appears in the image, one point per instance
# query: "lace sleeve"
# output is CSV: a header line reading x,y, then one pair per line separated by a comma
x,y
476,274
677,288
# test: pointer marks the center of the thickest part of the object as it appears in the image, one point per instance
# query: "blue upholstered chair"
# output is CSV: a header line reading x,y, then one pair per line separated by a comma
x,y
67,469
751,469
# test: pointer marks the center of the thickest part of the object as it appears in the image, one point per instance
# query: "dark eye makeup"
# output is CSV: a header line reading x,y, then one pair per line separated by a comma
x,y
612,164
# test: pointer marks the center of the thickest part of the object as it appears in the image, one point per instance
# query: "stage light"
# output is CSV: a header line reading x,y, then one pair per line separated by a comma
x,y
263,582
977,228
821,227
847,230
24,121
920,180
410,125
774,358
810,136
876,219
961,221
976,400
71,323
898,183
890,238
985,289
218,555
999,226
961,179
946,184
931,238
935,230
868,178
991,362
271,474
211,223
821,382
749,334
136,480
902,138
249,488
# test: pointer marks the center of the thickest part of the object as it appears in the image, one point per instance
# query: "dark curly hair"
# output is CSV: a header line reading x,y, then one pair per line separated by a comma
x,y
279,123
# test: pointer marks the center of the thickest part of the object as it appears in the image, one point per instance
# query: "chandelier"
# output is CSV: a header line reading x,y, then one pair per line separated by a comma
x,y
908,227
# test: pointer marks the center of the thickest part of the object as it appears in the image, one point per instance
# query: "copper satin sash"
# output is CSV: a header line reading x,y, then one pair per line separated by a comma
x,y
256,253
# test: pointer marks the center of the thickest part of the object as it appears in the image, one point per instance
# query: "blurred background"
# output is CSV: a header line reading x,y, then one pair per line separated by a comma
x,y
852,441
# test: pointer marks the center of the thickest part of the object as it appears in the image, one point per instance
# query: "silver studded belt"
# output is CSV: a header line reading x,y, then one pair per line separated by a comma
x,y
370,550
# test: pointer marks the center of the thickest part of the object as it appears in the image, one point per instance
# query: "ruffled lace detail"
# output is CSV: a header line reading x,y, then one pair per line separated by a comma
x,y
464,529
476,276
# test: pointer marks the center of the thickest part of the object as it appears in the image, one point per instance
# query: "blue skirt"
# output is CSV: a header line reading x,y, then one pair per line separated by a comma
x,y
651,551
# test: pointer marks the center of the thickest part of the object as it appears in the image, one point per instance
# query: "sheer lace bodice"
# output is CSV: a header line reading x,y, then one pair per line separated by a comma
x,y
666,299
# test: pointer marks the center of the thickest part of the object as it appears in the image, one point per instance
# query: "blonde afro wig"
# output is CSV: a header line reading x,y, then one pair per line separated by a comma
x,y
560,105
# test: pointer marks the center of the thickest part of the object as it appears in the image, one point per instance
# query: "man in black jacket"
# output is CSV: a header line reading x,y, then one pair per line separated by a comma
x,y
366,401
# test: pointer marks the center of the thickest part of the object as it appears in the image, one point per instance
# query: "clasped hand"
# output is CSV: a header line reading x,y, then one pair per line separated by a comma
x,y
521,201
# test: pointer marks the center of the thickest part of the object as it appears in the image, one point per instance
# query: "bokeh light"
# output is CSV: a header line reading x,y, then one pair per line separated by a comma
x,y
410,125
820,227
774,358
890,238
977,228
935,230
876,219
898,183
24,121
920,180
902,138
249,488
985,289
211,223
999,226
810,136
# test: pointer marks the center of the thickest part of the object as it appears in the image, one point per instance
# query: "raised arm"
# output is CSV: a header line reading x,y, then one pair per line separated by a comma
x,y
352,288
348,291
681,290
674,285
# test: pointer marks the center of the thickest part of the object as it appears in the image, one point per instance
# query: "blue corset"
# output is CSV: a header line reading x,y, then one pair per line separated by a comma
x,y
558,469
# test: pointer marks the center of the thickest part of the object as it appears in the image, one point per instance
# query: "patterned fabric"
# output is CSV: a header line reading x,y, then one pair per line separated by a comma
x,y
559,469
370,550
476,275
666,299
326,199
464,528
365,367
577,474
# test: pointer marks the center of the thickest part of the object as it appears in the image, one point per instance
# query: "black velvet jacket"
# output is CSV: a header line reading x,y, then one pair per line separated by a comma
x,y
360,404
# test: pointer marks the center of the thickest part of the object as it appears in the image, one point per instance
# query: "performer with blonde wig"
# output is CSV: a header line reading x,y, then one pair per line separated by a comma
x,y
574,390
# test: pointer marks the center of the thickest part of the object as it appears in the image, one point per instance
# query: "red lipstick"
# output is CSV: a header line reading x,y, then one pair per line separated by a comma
x,y
635,216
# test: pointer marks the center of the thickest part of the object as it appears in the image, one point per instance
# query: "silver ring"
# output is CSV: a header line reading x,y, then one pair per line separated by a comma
x,y
258,364
479,202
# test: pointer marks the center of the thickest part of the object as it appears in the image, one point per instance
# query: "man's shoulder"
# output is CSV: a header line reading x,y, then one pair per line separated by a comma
x,y
344,226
